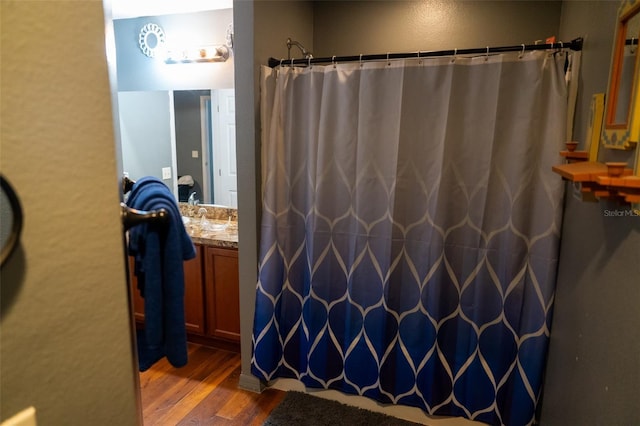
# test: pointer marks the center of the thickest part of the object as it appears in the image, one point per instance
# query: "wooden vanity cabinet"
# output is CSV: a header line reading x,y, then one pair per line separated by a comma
x,y
222,293
211,297
193,294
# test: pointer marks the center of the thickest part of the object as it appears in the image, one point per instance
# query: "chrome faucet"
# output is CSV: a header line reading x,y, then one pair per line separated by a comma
x,y
192,201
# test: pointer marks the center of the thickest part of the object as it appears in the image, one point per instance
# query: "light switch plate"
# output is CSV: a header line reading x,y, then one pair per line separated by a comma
x,y
166,173
194,154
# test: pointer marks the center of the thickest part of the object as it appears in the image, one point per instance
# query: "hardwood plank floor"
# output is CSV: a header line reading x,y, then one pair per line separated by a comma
x,y
204,392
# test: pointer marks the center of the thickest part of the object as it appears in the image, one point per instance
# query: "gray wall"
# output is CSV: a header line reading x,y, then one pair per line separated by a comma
x,y
146,134
262,29
593,372
354,27
138,72
66,326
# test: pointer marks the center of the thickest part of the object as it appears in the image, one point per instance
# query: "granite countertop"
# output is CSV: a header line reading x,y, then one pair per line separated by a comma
x,y
223,238
220,229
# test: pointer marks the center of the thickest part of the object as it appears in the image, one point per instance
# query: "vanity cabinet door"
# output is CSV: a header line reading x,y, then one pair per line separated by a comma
x,y
221,290
193,294
138,301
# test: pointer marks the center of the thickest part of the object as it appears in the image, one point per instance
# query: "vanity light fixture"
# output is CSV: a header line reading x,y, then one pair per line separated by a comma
x,y
198,54
153,44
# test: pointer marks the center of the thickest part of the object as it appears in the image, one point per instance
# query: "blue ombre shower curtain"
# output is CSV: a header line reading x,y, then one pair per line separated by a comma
x,y
410,230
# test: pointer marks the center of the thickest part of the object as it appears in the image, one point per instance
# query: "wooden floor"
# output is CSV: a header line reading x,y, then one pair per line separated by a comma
x,y
204,392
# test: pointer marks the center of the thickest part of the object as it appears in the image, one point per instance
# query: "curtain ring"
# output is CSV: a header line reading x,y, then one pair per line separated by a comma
x,y
279,69
486,56
291,62
333,61
388,61
419,60
309,62
455,55
361,60
632,50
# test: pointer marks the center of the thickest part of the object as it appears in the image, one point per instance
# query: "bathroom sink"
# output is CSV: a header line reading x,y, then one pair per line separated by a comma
x,y
206,228
215,227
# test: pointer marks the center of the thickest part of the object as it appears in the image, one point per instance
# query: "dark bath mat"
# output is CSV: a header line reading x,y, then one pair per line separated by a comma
x,y
301,409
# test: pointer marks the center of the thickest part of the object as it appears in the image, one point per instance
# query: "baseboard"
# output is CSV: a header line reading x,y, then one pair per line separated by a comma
x,y
250,382
213,342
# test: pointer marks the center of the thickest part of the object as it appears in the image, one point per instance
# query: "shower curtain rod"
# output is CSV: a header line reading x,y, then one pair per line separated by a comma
x,y
575,44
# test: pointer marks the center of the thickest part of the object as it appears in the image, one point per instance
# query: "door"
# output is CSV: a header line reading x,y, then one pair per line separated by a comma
x,y
224,148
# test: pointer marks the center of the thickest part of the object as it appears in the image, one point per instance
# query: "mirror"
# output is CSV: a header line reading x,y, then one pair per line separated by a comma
x,y
622,120
205,146
186,138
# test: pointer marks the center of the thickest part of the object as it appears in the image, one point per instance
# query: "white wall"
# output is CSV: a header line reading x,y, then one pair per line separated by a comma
x,y
66,327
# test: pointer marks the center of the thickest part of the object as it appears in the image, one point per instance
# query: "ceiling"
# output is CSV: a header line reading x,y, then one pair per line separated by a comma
x,y
122,9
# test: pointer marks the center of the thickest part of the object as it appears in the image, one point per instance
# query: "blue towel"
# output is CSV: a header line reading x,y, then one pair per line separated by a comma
x,y
159,250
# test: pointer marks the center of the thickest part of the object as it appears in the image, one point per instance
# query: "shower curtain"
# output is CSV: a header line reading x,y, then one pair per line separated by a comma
x,y
410,230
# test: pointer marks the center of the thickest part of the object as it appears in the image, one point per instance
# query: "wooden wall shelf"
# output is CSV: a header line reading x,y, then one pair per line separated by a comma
x,y
596,183
572,156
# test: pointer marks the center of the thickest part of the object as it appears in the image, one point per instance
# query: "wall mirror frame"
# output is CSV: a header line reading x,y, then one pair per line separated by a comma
x,y
621,127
